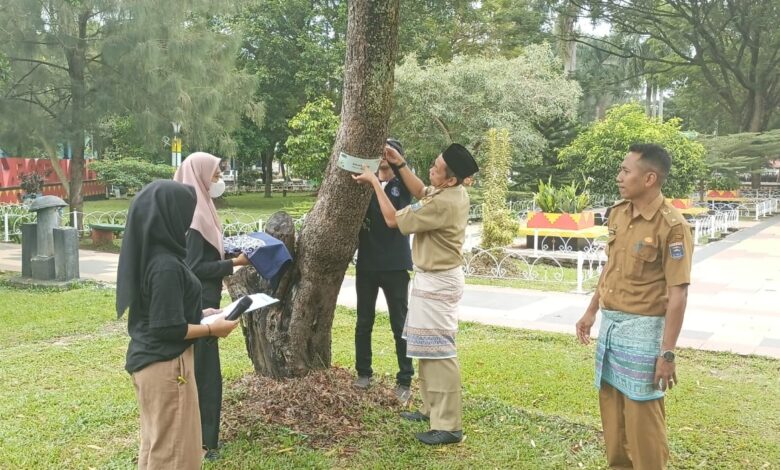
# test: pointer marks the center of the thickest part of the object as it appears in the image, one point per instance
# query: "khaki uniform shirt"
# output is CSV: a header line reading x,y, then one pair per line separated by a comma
x,y
646,254
438,222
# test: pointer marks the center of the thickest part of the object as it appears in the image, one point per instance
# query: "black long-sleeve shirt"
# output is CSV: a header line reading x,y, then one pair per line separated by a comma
x,y
204,260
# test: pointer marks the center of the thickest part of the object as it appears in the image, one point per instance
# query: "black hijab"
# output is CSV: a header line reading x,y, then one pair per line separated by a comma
x,y
158,220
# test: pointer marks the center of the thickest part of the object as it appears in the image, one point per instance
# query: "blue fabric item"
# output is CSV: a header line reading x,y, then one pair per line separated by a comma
x,y
269,257
627,351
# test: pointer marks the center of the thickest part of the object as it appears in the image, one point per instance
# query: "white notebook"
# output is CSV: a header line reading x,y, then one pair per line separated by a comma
x,y
258,301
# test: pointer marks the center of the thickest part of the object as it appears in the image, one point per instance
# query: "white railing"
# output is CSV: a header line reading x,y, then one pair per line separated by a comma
x,y
12,216
766,208
711,226
546,262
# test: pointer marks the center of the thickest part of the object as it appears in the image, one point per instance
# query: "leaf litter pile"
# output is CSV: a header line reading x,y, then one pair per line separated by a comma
x,y
323,406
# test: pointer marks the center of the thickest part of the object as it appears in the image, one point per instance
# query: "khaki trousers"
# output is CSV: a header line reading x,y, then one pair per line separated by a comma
x,y
440,387
634,431
170,419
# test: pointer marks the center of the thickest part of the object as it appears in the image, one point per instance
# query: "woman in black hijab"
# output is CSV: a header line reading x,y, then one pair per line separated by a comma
x,y
163,296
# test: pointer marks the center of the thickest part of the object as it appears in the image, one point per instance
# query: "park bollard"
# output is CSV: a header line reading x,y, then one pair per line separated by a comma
x,y
48,218
536,241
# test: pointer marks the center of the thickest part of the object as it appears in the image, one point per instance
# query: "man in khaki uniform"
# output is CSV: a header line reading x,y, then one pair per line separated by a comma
x,y
438,221
642,295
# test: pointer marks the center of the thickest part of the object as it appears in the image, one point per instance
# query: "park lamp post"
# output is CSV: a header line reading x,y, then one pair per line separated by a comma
x,y
176,145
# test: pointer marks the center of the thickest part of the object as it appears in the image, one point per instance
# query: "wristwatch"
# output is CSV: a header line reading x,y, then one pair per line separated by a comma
x,y
668,355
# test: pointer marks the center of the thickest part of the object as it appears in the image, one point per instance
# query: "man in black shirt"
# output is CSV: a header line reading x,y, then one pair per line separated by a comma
x,y
384,261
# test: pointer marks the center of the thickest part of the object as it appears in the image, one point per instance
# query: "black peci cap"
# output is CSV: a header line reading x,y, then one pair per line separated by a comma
x,y
460,161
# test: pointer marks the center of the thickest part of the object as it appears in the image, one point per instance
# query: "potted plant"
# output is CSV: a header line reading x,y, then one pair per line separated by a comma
x,y
32,185
561,208
723,187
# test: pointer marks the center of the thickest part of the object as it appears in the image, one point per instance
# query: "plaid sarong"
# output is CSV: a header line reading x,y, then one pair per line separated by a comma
x,y
626,353
432,320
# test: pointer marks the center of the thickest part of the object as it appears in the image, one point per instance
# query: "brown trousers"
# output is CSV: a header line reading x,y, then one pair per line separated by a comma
x,y
440,387
170,419
634,431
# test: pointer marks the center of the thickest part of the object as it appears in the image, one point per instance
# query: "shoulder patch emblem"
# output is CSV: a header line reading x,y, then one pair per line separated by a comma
x,y
676,250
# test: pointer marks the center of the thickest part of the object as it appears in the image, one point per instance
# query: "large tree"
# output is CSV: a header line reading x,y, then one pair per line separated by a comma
x,y
295,48
439,103
75,63
729,45
295,337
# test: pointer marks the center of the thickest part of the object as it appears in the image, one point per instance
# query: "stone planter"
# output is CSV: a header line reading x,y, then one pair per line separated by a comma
x,y
560,221
723,194
680,203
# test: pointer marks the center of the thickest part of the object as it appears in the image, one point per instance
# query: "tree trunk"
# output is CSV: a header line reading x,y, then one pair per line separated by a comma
x,y
284,178
269,173
77,61
266,331
757,125
296,337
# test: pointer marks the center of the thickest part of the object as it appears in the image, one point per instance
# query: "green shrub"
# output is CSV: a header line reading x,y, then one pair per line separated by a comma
x,y
567,198
499,227
599,151
130,173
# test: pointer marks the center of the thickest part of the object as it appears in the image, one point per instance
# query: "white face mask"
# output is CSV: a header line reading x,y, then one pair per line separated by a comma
x,y
217,189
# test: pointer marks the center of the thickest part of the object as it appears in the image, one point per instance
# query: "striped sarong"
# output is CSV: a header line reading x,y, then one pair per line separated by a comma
x,y
432,320
626,353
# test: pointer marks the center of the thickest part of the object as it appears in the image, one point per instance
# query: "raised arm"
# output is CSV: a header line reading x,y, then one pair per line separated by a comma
x,y
413,183
387,208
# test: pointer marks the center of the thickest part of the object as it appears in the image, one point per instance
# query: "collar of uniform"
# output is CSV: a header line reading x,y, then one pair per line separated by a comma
x,y
648,212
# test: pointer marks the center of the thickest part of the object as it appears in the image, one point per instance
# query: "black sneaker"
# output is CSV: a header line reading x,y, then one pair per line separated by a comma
x,y
433,437
414,416
211,455
362,382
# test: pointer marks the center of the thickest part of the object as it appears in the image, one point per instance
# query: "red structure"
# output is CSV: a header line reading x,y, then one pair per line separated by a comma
x,y
561,221
12,169
723,195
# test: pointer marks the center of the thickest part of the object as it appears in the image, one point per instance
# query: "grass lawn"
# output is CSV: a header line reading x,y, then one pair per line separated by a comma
x,y
529,402
253,204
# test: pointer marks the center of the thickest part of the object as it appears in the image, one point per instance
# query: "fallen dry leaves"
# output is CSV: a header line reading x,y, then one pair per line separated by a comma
x,y
324,406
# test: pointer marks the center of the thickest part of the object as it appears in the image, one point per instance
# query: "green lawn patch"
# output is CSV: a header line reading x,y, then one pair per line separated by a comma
x,y
528,397
255,205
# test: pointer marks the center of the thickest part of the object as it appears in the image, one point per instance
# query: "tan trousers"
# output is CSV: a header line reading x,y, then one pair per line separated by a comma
x,y
170,419
634,431
440,387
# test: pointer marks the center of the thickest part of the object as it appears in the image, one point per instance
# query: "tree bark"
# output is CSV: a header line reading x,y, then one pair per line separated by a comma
x,y
77,62
296,337
266,331
269,172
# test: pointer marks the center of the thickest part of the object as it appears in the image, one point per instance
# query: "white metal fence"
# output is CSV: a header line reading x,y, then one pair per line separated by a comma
x,y
14,215
551,259
711,226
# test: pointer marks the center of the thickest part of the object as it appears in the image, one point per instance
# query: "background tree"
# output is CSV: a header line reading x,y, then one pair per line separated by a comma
x,y
598,152
74,63
295,49
439,103
444,29
499,227
732,154
313,132
728,44
299,329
